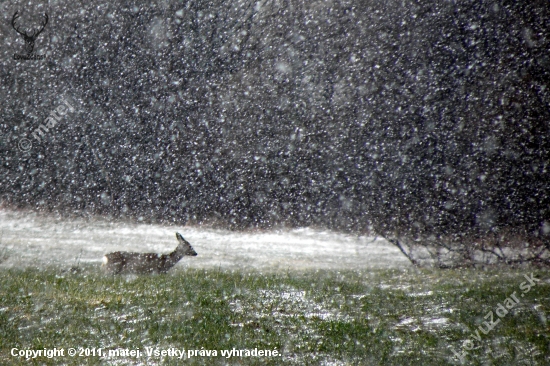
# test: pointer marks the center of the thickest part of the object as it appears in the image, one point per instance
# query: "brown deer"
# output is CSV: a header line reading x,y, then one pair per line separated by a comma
x,y
146,263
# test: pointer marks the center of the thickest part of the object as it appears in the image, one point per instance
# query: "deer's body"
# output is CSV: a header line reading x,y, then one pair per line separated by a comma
x,y
146,263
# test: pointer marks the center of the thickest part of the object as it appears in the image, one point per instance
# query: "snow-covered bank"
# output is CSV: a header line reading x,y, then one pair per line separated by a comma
x,y
27,239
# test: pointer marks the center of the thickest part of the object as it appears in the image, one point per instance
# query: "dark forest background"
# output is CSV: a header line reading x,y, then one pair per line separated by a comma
x,y
414,119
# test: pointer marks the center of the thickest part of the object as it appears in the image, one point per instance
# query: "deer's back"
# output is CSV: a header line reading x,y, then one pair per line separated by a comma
x,y
127,262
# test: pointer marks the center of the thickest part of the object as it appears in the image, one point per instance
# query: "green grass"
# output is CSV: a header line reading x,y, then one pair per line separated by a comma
x,y
335,318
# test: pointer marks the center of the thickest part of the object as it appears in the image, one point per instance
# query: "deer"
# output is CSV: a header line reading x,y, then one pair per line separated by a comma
x,y
146,263
29,39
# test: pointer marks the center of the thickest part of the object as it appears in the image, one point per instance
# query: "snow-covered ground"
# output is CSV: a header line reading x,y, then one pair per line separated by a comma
x,y
27,239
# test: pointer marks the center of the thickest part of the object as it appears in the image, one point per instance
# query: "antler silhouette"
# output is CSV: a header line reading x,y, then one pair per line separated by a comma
x,y
29,38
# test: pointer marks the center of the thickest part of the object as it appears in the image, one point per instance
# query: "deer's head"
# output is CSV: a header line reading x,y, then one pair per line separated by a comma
x,y
29,38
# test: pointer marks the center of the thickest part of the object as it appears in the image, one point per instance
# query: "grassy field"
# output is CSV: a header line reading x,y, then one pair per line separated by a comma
x,y
384,317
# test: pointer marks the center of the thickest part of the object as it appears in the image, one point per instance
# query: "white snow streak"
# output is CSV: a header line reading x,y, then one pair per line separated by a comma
x,y
28,239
